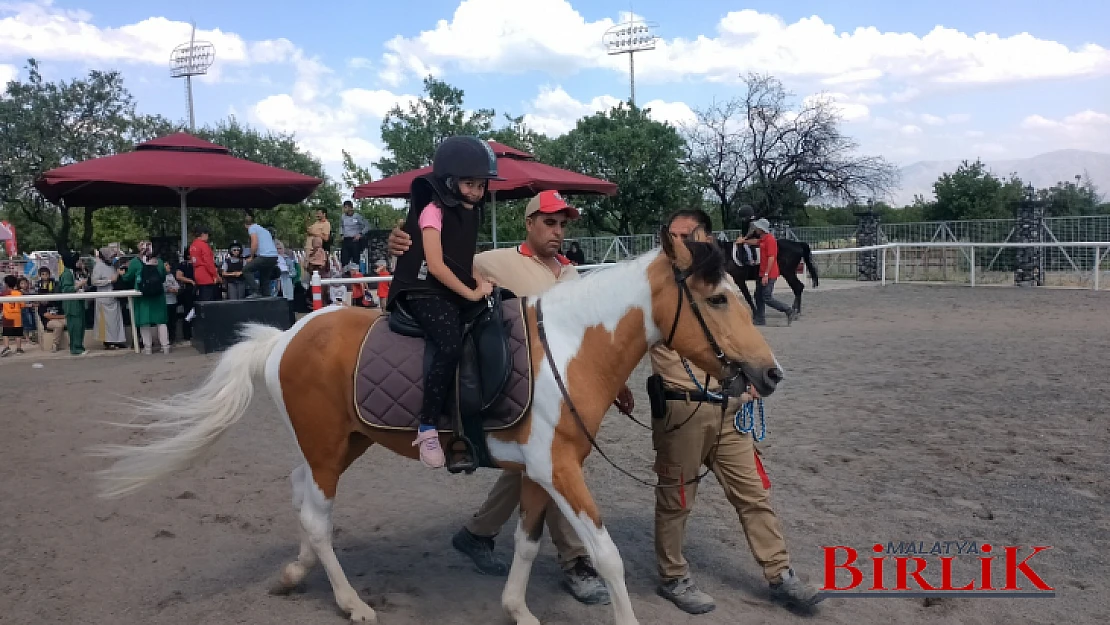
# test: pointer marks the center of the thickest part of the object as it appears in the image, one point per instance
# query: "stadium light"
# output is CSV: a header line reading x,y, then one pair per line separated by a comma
x,y
188,60
629,38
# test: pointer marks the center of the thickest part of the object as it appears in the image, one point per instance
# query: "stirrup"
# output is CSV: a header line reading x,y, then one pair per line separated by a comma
x,y
461,455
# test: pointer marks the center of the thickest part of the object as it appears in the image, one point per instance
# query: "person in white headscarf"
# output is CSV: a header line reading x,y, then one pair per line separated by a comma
x,y
108,325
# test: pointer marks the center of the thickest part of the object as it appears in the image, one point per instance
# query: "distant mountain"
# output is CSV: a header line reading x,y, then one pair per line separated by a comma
x,y
1043,170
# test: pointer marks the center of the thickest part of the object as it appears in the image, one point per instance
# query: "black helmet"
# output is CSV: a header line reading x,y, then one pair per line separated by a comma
x,y
745,212
464,157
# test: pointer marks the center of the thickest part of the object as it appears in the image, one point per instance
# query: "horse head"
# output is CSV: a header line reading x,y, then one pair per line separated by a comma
x,y
700,315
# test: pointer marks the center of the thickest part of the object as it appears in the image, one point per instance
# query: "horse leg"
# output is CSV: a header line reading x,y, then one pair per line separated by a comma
x,y
529,530
325,463
570,493
293,573
743,284
796,285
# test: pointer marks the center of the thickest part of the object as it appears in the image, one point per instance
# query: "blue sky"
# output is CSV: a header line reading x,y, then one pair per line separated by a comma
x,y
915,81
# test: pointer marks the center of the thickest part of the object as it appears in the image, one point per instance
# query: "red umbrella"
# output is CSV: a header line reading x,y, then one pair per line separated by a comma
x,y
523,175
172,171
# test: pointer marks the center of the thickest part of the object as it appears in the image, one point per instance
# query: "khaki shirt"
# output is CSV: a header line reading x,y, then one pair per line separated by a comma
x,y
668,364
518,270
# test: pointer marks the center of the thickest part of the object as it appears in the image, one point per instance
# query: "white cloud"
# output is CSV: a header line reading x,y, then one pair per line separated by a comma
x,y
850,108
8,73
910,130
1079,122
932,120
554,112
41,30
359,62
507,36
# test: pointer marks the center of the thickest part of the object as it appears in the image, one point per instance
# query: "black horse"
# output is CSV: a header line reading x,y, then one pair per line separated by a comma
x,y
790,254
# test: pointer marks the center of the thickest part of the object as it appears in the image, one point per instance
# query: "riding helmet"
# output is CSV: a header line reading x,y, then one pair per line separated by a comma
x,y
464,157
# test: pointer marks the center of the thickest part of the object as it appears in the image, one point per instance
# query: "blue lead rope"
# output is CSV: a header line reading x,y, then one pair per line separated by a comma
x,y
745,420
745,417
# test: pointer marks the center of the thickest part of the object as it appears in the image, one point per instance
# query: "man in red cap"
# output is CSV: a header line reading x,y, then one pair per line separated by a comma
x,y
528,269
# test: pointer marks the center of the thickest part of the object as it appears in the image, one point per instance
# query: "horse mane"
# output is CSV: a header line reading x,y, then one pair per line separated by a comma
x,y
708,262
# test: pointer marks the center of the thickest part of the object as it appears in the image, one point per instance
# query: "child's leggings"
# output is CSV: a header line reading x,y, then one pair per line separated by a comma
x,y
442,324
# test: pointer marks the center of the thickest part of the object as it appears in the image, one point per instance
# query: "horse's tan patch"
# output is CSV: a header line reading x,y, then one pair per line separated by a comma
x,y
594,377
316,381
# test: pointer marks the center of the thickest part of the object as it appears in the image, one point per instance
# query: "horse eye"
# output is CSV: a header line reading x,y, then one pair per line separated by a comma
x,y
719,300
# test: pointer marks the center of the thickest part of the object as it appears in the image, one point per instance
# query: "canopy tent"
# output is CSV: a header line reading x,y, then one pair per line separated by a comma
x,y
523,175
175,170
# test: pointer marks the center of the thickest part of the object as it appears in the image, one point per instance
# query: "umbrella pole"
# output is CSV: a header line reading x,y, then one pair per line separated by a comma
x,y
493,209
184,224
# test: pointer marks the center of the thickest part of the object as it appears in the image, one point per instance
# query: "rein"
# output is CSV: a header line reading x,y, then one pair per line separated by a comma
x,y
684,293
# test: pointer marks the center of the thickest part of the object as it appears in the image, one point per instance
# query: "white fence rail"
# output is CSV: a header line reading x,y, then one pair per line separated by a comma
x,y
965,263
1084,262
130,294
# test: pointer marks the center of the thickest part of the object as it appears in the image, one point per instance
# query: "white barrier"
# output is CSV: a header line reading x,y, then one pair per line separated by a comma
x,y
130,294
1096,246
882,249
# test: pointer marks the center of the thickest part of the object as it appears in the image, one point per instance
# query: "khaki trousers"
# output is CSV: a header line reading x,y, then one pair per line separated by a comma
x,y
504,499
680,455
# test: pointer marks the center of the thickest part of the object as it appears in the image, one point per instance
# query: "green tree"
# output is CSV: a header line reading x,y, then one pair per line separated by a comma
x,y
973,192
412,133
44,125
642,156
1071,198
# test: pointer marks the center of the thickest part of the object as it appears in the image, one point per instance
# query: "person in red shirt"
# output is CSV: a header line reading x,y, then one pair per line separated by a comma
x,y
768,273
204,267
383,287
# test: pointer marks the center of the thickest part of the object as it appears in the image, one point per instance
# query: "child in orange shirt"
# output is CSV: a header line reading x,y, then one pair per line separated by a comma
x,y
12,319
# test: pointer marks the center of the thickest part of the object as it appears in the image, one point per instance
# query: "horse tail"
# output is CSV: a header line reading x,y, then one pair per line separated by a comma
x,y
811,266
193,421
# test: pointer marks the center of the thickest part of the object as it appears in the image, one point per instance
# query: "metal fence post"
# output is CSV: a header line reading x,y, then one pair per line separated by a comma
x,y
1097,262
134,324
882,271
897,262
972,256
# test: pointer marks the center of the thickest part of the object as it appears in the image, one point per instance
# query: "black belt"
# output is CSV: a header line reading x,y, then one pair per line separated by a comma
x,y
691,396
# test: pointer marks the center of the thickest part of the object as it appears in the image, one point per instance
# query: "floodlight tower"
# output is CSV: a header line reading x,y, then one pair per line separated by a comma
x,y
188,60
630,37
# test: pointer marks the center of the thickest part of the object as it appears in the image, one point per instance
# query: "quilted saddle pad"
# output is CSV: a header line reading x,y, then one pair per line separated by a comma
x,y
389,378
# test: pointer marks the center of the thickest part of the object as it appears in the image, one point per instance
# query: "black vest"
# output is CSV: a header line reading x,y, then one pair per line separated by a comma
x,y
459,240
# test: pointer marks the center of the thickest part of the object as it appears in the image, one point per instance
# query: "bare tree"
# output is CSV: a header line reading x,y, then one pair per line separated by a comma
x,y
760,149
717,147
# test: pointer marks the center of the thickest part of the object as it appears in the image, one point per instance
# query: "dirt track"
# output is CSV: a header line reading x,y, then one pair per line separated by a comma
x,y
909,414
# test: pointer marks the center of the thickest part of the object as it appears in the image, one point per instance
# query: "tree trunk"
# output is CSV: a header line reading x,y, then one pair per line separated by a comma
x,y
87,231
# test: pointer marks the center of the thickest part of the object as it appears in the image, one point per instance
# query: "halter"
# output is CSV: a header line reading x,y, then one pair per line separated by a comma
x,y
727,364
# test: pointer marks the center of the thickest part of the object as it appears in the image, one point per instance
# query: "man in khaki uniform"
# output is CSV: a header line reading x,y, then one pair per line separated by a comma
x,y
691,434
527,270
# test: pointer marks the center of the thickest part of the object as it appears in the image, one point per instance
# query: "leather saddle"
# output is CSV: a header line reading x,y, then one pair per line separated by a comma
x,y
484,369
486,361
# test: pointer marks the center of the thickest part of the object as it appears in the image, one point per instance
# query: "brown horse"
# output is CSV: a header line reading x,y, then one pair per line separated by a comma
x,y
592,331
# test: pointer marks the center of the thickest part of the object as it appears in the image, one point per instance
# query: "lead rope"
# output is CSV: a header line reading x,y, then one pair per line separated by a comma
x,y
745,420
745,417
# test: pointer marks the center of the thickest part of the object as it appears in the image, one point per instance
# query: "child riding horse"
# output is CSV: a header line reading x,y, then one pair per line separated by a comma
x,y
591,334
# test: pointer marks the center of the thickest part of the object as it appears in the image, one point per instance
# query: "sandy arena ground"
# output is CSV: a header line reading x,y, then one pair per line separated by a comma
x,y
911,413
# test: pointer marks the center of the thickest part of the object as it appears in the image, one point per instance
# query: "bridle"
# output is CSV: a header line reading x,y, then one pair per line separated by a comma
x,y
727,364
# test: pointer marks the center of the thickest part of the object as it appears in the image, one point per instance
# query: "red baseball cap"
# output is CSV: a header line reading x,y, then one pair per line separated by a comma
x,y
548,202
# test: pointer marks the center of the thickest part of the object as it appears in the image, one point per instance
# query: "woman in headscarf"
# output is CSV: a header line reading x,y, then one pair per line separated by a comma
x,y
146,273
74,308
108,323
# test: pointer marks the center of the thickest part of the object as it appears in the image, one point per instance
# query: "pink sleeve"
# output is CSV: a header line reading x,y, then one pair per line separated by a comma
x,y
431,217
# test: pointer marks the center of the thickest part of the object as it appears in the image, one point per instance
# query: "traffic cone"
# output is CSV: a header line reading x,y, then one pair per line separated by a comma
x,y
317,291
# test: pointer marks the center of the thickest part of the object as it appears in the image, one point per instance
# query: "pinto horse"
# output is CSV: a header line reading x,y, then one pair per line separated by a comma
x,y
790,254
592,331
